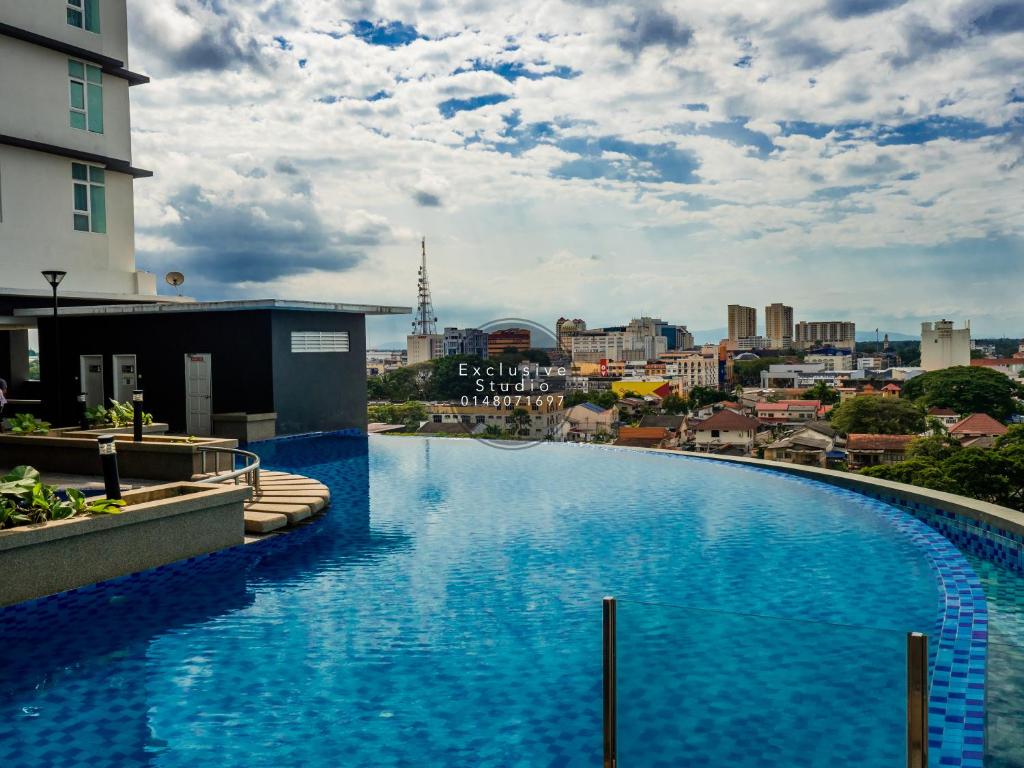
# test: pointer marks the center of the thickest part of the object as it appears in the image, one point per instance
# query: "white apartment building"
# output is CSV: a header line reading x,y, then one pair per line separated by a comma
x,y
942,346
691,369
835,333
843,362
597,345
422,347
66,173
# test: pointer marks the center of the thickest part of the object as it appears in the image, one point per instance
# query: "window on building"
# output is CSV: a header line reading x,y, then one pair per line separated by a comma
x,y
319,341
437,418
84,14
85,90
716,433
90,198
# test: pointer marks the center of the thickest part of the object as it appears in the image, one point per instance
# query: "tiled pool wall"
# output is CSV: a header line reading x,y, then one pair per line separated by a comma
x,y
958,646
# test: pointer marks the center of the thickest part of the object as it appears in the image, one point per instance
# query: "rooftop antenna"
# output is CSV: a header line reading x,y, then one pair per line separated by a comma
x,y
175,279
425,322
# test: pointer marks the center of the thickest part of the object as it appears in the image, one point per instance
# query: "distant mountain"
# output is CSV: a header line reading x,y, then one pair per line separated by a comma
x,y
893,336
710,336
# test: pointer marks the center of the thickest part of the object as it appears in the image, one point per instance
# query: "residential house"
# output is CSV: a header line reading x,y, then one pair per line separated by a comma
x,y
588,421
726,432
947,416
643,437
1008,366
812,444
787,412
871,450
673,424
979,430
547,420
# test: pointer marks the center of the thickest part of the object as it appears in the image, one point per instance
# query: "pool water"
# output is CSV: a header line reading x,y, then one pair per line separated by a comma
x,y
447,611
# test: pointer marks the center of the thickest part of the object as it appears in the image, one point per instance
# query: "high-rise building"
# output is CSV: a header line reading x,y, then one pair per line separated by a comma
x,y
742,322
565,329
678,337
841,334
508,338
66,173
942,346
465,341
778,321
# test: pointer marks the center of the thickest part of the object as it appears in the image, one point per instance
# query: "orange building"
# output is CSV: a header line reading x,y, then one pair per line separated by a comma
x,y
514,338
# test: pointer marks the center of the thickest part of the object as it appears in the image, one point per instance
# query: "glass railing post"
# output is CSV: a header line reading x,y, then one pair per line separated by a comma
x,y
917,700
610,747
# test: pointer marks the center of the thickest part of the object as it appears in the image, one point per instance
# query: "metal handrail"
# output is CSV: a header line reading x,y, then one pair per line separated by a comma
x,y
250,469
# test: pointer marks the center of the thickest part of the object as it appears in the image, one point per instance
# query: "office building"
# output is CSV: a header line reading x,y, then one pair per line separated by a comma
x,y
828,333
465,341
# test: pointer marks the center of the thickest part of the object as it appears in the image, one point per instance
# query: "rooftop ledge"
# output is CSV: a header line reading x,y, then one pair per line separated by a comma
x,y
166,305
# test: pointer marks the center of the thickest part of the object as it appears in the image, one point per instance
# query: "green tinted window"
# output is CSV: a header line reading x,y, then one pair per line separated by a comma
x,y
75,18
93,74
81,197
77,95
98,199
81,222
79,172
76,69
92,15
95,108
97,175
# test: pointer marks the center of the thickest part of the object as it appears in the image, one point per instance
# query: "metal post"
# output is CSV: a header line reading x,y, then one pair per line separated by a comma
x,y
56,361
137,415
83,420
108,458
610,746
917,700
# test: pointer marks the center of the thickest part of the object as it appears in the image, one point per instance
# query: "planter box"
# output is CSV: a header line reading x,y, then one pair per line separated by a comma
x,y
245,427
157,457
160,525
156,428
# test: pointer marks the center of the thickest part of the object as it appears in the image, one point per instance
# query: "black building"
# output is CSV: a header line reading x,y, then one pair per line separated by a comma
x,y
305,361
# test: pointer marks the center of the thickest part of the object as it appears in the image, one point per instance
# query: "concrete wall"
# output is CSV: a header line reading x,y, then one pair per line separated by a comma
x,y
49,18
34,84
45,559
37,227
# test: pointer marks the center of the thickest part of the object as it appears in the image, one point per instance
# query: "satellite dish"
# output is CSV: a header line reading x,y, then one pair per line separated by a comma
x,y
175,279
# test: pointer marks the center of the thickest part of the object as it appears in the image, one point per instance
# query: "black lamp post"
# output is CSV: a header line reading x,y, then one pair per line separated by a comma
x,y
54,277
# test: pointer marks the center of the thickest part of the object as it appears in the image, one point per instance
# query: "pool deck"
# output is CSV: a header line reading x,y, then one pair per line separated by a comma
x,y
283,501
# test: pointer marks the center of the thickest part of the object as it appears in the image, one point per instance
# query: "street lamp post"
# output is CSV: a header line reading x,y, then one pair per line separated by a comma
x,y
54,278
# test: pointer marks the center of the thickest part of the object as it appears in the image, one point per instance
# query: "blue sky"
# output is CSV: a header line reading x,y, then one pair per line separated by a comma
x,y
857,159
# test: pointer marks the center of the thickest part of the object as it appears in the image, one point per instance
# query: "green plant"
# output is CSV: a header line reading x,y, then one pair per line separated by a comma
x,y
27,424
26,500
118,415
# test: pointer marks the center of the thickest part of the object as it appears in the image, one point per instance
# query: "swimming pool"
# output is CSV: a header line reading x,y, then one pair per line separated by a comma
x,y
447,612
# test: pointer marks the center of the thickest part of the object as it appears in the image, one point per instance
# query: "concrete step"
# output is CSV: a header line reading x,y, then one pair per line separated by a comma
x,y
314,503
257,521
293,512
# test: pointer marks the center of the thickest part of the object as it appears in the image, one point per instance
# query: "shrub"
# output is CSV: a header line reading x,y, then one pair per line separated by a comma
x,y
26,424
26,500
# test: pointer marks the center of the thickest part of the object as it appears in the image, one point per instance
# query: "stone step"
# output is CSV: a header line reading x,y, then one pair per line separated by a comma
x,y
293,512
263,522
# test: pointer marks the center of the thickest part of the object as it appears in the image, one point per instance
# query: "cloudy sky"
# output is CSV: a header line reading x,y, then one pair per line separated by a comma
x,y
858,159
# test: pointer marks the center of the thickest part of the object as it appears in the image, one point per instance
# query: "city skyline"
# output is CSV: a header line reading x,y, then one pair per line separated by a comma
x,y
854,158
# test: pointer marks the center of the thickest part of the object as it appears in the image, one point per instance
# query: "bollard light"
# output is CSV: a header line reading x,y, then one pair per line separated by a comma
x,y
137,415
108,459
83,421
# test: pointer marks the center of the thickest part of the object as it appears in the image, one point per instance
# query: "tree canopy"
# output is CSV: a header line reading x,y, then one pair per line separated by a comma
x,y
878,416
823,392
995,474
965,389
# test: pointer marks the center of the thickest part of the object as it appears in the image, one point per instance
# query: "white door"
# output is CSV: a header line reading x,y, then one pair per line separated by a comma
x,y
91,376
198,393
126,377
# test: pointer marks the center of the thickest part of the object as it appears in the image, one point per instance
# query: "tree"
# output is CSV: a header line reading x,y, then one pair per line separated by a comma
x,y
879,416
698,397
748,372
823,392
399,385
520,422
604,398
411,414
674,405
966,389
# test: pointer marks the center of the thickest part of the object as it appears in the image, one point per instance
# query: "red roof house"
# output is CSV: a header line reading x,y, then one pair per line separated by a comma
x,y
978,425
